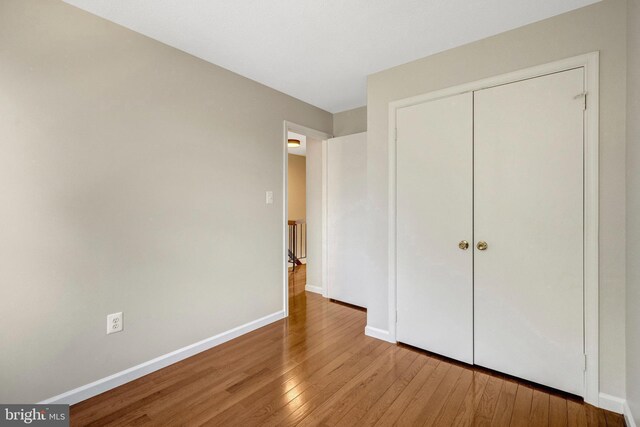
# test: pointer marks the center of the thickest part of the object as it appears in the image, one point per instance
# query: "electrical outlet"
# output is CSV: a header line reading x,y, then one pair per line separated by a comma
x,y
114,323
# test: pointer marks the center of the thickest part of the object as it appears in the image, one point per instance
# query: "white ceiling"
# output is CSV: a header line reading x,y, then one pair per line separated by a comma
x,y
320,51
302,149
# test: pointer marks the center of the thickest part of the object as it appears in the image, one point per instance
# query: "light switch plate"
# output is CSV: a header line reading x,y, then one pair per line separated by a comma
x,y
114,323
269,199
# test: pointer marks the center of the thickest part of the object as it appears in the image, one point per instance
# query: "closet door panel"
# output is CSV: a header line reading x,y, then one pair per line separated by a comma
x,y
434,214
528,189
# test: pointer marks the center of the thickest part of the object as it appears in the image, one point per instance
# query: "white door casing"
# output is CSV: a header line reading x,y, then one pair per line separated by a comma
x,y
590,64
435,214
528,208
319,259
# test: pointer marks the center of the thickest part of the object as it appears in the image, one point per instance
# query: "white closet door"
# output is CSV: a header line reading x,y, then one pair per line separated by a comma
x,y
434,214
528,179
346,204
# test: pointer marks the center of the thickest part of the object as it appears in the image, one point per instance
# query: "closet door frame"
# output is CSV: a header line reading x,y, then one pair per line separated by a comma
x,y
590,63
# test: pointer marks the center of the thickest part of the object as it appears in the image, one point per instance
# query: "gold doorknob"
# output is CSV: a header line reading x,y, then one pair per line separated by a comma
x,y
464,245
482,246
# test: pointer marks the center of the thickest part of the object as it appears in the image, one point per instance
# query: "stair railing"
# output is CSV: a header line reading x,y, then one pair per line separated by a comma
x,y
297,249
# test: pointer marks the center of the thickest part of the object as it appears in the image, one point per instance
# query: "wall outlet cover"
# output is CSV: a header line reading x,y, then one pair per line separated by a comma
x,y
115,323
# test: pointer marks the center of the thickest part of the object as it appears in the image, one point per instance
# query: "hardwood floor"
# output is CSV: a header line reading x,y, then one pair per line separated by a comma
x,y
318,368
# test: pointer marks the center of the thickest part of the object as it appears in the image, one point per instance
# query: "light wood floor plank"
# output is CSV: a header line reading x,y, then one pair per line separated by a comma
x,y
488,402
557,411
373,392
397,407
539,409
614,420
576,414
522,407
465,415
373,413
504,408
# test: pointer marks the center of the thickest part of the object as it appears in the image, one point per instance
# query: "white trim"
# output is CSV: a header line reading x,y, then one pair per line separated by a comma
x,y
617,405
628,416
377,333
611,403
591,227
590,62
308,132
285,217
314,289
100,386
324,282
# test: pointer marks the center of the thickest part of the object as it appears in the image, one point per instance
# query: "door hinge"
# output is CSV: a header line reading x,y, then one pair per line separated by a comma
x,y
584,363
582,95
395,134
396,316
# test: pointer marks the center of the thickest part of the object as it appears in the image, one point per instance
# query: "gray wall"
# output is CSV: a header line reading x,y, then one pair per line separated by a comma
x,y
633,208
350,121
132,175
602,27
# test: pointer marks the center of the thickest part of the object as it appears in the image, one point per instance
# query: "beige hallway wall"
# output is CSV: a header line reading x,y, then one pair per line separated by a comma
x,y
599,27
132,176
297,187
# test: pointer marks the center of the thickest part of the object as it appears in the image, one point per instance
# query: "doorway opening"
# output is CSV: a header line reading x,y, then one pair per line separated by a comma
x,y
304,231
297,211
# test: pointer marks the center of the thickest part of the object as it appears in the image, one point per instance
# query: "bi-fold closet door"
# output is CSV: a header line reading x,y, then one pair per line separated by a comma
x,y
502,170
434,199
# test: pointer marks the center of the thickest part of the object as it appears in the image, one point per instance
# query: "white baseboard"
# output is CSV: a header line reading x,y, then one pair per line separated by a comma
x,y
381,334
314,289
611,403
628,416
100,386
